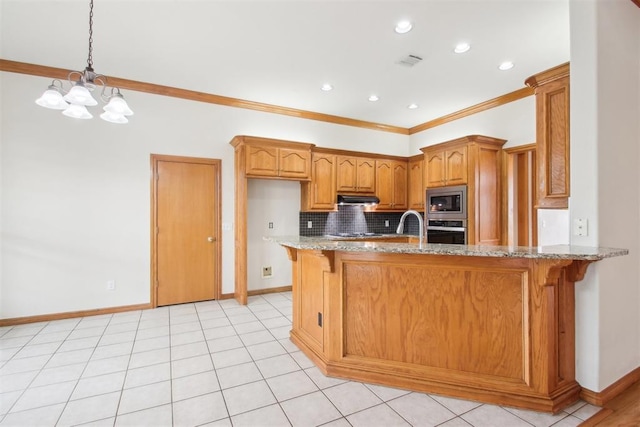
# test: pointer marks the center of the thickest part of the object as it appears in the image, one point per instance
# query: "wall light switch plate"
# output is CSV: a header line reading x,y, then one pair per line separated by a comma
x,y
386,222
309,224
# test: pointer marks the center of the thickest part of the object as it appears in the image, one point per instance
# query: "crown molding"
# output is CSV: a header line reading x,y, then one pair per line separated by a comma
x,y
474,109
61,73
549,75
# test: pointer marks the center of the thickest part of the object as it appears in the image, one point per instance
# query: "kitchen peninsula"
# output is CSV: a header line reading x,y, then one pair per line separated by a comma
x,y
488,323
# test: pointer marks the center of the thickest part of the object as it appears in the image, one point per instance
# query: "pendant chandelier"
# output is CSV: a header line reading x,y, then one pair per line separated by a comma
x,y
75,101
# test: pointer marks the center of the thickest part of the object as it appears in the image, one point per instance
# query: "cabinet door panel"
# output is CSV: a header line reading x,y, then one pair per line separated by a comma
x,y
294,163
366,176
323,177
262,161
346,174
384,184
456,166
311,293
416,187
435,169
400,185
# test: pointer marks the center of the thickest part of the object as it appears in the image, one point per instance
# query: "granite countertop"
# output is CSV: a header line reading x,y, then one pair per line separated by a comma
x,y
368,244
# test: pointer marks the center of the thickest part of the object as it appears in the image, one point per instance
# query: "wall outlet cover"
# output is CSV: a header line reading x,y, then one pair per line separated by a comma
x,y
580,227
266,272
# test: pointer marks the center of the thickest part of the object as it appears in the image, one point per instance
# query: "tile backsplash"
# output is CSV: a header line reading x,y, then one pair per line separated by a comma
x,y
354,219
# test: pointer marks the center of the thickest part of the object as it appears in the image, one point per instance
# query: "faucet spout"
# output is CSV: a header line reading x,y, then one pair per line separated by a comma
x,y
400,228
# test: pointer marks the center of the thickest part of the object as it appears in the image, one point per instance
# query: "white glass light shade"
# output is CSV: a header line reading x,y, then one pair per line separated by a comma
x,y
77,112
52,98
80,95
117,105
113,117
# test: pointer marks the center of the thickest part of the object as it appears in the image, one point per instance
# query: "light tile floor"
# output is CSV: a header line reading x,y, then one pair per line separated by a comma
x,y
212,363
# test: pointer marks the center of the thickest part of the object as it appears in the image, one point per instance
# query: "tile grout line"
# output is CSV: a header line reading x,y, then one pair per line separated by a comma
x,y
213,365
126,372
40,370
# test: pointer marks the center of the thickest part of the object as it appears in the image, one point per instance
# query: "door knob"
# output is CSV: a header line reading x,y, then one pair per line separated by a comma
x,y
211,239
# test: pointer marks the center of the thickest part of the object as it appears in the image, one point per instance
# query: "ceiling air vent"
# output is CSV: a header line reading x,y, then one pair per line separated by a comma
x,y
410,60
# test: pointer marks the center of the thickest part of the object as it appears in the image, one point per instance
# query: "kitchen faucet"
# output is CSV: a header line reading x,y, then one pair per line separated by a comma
x,y
400,229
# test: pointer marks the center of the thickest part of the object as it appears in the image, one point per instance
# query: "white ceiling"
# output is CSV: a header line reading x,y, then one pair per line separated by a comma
x,y
281,52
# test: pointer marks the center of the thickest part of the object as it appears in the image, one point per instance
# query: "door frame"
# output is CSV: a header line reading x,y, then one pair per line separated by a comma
x,y
510,193
217,261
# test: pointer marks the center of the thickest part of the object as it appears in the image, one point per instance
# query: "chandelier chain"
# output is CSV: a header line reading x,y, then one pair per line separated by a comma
x,y
90,57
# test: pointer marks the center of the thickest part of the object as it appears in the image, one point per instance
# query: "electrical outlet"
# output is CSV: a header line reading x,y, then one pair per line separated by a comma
x,y
226,226
580,227
111,285
386,223
270,225
309,224
266,272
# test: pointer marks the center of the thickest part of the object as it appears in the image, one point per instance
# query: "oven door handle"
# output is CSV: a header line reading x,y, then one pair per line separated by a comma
x,y
436,228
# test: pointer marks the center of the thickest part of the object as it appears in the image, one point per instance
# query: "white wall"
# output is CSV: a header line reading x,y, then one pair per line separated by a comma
x,y
76,194
278,203
605,138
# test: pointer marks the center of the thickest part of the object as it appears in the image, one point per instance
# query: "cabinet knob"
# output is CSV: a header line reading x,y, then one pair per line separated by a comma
x,y
211,239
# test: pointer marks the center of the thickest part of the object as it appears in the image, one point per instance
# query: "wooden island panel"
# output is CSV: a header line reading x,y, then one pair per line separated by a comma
x,y
498,330
445,317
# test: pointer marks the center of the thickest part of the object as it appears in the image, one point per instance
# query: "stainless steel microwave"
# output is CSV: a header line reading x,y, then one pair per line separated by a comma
x,y
446,202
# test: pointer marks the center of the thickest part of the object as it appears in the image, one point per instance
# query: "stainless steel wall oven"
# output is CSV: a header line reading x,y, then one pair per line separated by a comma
x,y
446,215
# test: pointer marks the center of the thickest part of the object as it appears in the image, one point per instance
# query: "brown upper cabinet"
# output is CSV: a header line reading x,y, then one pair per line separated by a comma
x,y
391,184
445,165
276,159
356,174
552,136
416,188
320,192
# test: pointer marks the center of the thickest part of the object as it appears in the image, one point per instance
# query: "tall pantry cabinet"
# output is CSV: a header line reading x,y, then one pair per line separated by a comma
x,y
476,161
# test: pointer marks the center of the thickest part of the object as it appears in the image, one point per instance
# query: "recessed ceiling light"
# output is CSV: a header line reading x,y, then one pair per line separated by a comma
x,y
412,106
462,47
373,98
326,87
403,27
507,65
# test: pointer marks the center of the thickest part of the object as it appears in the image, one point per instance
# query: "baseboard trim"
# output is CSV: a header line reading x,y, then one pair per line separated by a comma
x,y
110,310
269,291
71,314
614,390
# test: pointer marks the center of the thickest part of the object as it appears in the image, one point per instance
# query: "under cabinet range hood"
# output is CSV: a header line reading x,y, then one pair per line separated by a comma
x,y
344,199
